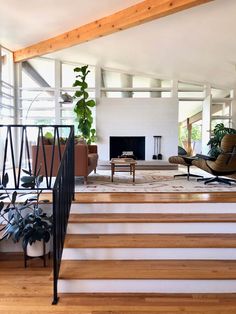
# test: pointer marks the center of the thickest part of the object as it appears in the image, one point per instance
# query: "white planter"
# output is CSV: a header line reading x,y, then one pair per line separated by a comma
x,y
36,249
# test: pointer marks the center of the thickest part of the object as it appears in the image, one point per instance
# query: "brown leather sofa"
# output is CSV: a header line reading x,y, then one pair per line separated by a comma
x,y
86,158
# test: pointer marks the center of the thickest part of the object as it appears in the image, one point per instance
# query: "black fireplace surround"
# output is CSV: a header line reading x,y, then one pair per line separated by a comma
x,y
118,144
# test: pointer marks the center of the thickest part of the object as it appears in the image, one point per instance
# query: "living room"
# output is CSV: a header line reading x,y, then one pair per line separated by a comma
x,y
159,76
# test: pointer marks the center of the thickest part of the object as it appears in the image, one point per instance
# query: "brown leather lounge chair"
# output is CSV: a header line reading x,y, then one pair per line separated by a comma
x,y
185,160
224,165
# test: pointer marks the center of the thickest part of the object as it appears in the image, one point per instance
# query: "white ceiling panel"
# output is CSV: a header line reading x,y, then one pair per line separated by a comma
x,y
25,22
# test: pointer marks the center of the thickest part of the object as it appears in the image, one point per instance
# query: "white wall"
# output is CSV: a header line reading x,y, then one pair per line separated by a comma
x,y
138,117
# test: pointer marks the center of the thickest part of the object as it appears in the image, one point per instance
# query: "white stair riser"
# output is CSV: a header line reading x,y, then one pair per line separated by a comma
x,y
154,208
148,254
150,228
147,286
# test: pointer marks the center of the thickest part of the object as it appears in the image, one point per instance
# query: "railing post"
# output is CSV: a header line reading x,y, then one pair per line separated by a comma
x,y
55,245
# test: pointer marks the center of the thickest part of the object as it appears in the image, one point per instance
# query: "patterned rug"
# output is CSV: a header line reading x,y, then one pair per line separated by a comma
x,y
148,181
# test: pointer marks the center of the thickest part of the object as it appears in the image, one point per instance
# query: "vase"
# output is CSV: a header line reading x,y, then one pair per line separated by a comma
x,y
36,249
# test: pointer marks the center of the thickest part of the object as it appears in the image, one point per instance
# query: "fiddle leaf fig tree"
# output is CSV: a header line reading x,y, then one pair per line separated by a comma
x,y
83,106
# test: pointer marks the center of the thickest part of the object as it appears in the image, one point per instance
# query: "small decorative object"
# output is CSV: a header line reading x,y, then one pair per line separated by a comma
x,y
157,147
83,106
127,154
25,219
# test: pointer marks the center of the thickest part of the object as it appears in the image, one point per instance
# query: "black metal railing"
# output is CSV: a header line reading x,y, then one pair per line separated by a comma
x,y
21,152
63,194
25,147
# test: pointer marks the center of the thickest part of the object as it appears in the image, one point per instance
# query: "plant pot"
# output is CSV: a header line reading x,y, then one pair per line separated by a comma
x,y
36,249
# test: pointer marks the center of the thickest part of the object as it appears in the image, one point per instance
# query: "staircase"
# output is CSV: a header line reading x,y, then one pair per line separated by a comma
x,y
150,248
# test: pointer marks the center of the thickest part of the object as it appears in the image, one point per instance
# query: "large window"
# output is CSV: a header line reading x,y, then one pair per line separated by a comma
x,y
44,82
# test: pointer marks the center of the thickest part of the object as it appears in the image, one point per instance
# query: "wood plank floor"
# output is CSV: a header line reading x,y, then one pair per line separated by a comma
x,y
28,291
150,241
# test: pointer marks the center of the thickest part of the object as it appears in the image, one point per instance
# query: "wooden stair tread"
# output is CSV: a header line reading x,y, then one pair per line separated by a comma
x,y
153,302
147,269
150,241
155,197
150,218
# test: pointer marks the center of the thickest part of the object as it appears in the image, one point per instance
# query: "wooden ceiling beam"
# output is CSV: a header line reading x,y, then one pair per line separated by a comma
x,y
137,14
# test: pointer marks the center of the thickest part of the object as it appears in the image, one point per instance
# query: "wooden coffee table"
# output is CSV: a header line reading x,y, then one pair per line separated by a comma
x,y
118,163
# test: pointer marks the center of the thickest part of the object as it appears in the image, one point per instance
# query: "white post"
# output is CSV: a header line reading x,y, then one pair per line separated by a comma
x,y
17,102
58,80
155,83
127,81
0,74
233,108
206,120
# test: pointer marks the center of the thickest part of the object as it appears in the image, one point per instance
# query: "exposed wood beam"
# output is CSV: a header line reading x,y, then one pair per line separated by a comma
x,y
137,14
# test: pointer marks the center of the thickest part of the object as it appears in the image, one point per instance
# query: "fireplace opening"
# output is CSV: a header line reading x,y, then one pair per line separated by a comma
x,y
127,144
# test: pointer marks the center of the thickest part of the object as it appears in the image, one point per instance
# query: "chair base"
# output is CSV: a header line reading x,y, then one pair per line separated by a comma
x,y
217,179
188,175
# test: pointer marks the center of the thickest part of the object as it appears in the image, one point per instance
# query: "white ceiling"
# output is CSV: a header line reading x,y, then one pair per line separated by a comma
x,y
196,45
25,22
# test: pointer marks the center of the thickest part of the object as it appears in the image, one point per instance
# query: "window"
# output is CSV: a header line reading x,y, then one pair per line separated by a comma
x,y
116,84
37,92
7,110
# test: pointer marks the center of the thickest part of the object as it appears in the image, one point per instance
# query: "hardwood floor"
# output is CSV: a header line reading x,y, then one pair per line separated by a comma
x,y
28,291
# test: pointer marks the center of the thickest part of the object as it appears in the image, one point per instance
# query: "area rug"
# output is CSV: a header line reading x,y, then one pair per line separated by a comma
x,y
148,181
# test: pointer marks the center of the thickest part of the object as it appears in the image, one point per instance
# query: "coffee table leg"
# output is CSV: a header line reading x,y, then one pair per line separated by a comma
x,y
112,171
133,169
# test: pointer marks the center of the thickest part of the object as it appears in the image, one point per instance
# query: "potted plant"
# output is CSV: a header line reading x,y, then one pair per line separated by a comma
x,y
218,133
24,218
83,105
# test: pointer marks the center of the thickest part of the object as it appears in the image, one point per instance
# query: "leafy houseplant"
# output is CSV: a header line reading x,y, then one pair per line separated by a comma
x,y
24,219
218,133
83,106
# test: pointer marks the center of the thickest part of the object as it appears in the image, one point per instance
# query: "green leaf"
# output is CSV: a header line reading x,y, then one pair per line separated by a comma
x,y
78,93
86,95
77,83
13,199
77,69
5,180
1,206
27,172
28,179
90,103
84,69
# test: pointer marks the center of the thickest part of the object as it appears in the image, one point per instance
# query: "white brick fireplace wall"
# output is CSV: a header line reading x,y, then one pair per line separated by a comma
x,y
138,117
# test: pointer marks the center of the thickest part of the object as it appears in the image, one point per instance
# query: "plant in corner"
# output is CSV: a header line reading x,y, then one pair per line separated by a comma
x,y
24,219
83,106
218,133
